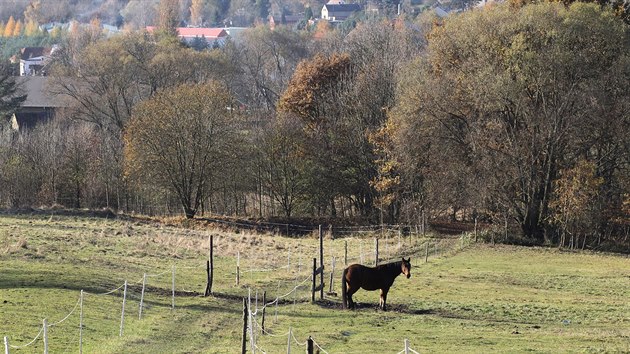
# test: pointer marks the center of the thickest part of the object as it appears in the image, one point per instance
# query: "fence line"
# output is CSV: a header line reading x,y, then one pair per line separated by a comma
x,y
286,227
295,339
65,318
464,240
278,297
106,293
318,346
31,342
407,349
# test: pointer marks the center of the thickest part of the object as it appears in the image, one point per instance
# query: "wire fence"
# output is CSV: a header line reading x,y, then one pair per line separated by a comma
x,y
290,229
297,280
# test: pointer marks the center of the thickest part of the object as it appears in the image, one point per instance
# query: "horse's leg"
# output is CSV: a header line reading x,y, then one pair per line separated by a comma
x,y
351,290
384,298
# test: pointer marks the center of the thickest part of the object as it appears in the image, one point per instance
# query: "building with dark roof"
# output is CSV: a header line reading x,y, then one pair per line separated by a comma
x,y
40,105
339,12
34,59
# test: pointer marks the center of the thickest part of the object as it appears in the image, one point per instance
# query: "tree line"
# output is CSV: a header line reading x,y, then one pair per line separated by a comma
x,y
514,114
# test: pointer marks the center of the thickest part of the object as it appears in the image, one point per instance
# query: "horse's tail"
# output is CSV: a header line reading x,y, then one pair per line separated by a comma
x,y
344,286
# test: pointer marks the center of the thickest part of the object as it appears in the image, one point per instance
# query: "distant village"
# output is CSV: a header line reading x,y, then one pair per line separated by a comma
x,y
33,61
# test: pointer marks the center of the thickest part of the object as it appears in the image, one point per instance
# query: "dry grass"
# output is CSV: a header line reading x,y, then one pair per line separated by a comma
x,y
466,299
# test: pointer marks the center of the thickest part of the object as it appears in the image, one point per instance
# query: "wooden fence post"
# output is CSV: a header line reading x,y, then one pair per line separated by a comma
x,y
345,252
321,262
289,342
475,229
244,338
211,262
80,324
309,345
45,336
173,302
264,303
122,316
238,267
250,321
320,287
314,276
295,285
6,345
275,316
406,346
210,268
144,282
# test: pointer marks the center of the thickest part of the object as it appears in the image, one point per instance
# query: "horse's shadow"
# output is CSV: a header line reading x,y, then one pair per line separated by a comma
x,y
393,308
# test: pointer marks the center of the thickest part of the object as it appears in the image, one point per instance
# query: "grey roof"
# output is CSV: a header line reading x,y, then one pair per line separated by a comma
x,y
37,89
342,7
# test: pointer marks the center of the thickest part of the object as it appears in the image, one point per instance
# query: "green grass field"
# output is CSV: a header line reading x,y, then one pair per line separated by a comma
x,y
472,299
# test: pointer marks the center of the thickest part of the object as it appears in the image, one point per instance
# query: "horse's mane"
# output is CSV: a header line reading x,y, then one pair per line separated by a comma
x,y
391,265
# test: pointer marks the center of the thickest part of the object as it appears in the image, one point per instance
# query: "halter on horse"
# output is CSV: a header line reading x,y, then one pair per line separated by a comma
x,y
371,278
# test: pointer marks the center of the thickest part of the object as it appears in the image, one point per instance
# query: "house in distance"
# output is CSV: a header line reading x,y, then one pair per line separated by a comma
x,y
337,11
33,60
188,34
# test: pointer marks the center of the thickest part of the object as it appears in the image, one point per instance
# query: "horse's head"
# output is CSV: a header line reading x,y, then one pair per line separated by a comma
x,y
406,267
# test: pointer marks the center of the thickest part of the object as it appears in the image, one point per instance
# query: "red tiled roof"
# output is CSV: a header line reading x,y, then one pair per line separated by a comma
x,y
191,32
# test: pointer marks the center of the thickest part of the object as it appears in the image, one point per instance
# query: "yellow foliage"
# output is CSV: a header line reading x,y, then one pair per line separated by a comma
x,y
196,9
9,28
31,29
56,32
95,24
575,192
310,83
17,31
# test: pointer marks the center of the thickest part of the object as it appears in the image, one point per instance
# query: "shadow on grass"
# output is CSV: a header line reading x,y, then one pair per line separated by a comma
x,y
393,308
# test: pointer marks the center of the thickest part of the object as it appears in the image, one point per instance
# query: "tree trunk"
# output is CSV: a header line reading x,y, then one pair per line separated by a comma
x,y
189,212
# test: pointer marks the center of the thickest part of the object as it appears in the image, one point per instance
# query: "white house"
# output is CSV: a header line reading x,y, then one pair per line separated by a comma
x,y
33,60
339,12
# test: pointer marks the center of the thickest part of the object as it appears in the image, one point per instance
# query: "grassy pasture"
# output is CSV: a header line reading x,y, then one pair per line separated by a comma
x,y
476,299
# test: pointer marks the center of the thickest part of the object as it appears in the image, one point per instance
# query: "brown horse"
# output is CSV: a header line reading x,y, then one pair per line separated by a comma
x,y
380,277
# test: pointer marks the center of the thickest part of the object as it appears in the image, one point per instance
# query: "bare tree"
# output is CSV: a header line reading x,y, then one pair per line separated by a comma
x,y
179,138
500,99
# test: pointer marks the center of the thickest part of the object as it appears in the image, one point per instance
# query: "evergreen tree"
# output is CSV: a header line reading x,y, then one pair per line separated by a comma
x,y
10,95
263,8
308,13
199,43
